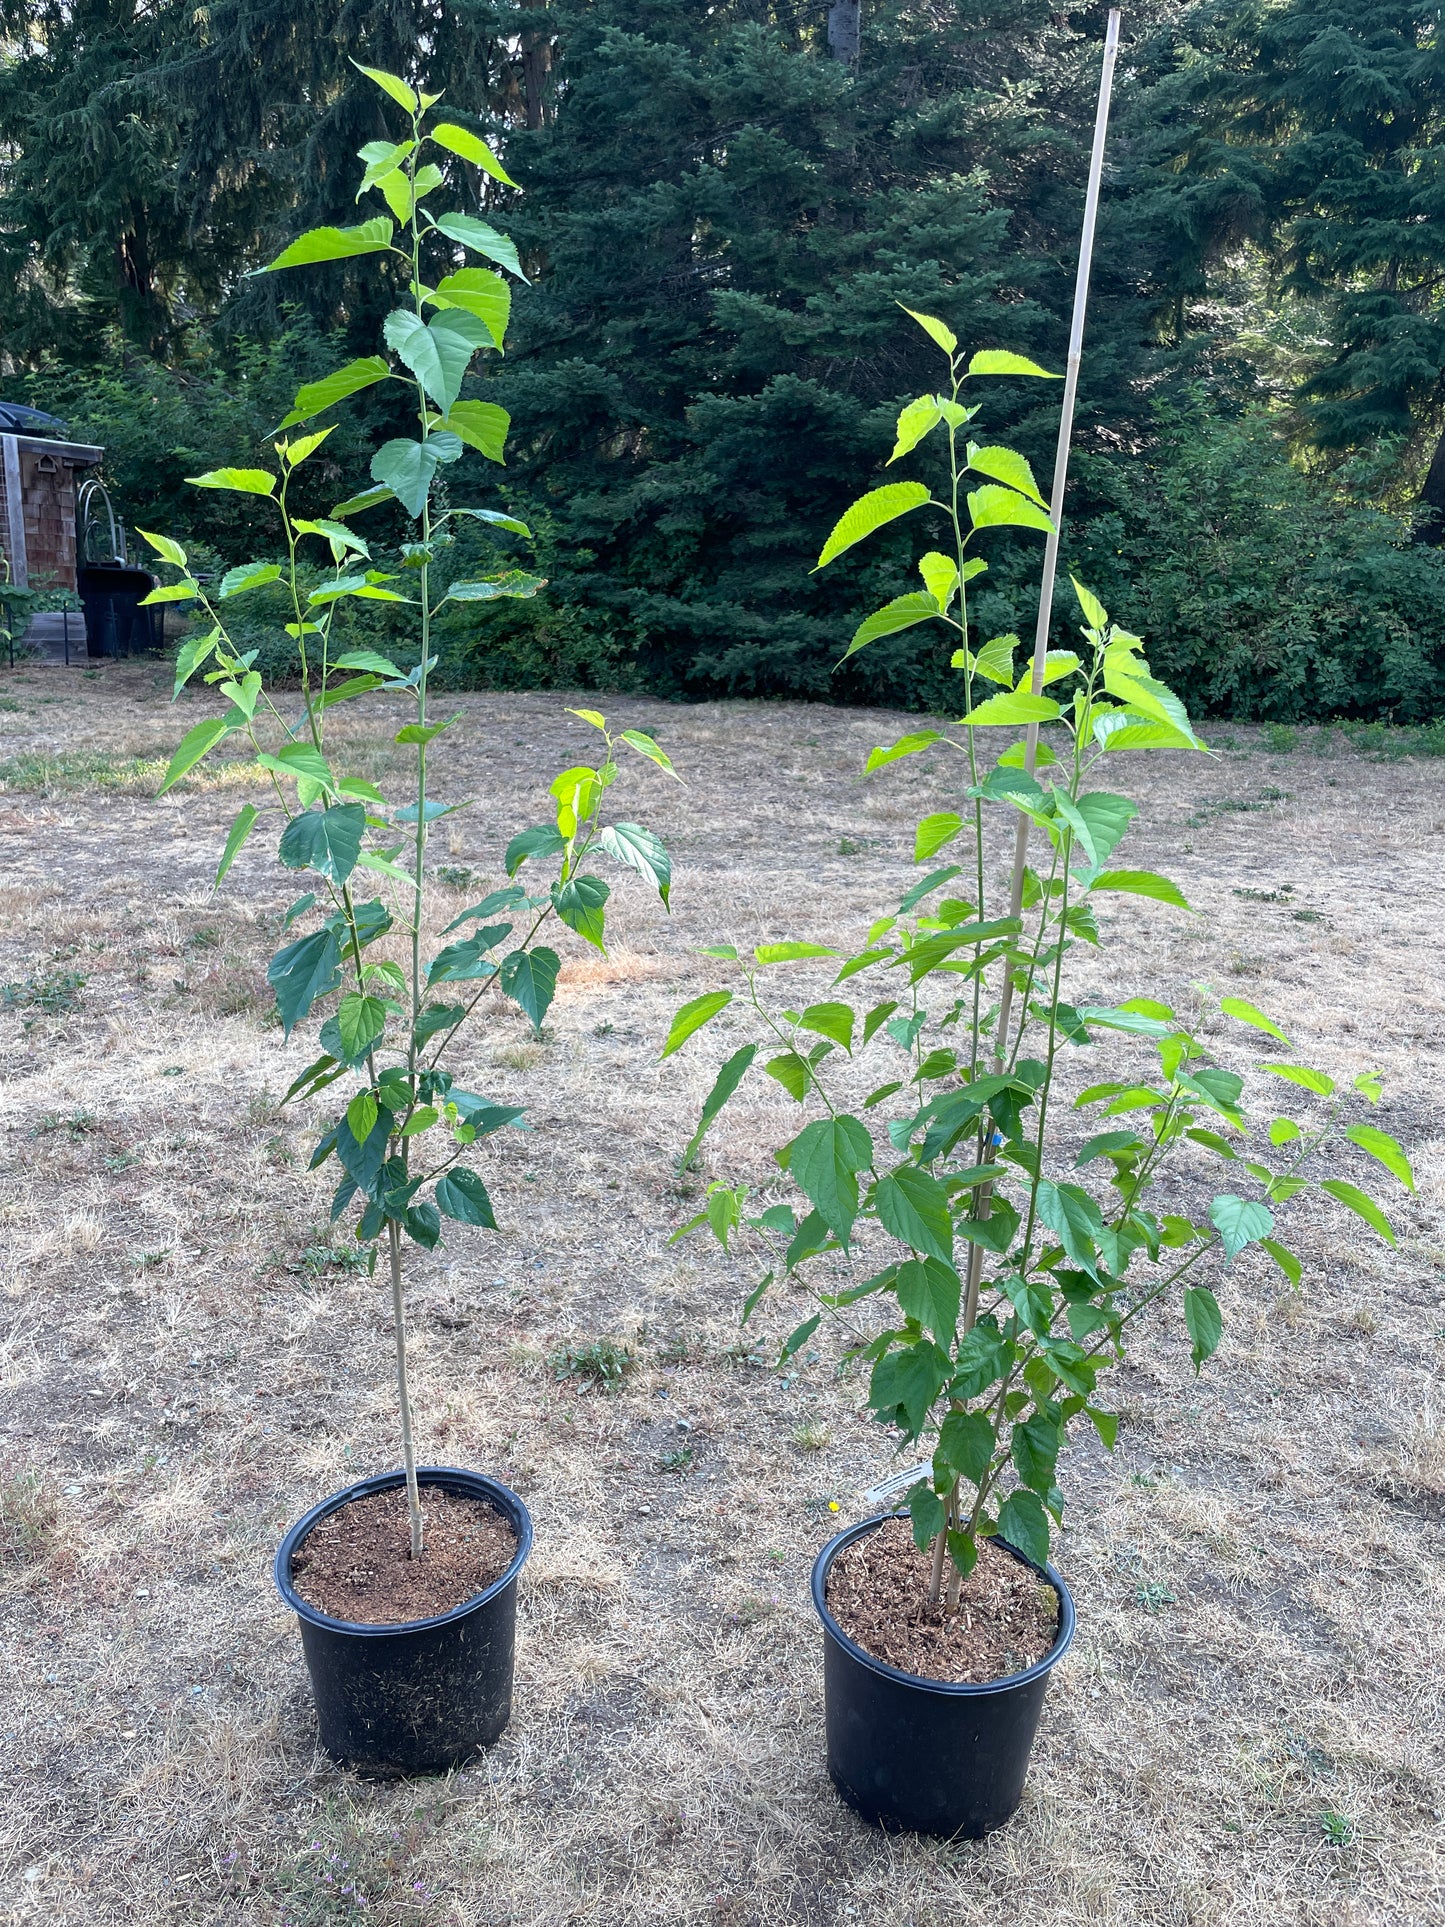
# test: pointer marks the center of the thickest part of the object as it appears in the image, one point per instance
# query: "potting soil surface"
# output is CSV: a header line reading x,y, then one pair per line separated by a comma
x,y
1007,1617
357,1564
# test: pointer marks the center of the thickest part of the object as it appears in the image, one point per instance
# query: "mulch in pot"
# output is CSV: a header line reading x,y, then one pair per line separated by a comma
x,y
1007,1617
356,1564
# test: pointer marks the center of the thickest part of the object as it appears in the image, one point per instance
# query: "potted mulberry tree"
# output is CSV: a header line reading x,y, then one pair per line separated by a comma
x,y
1003,1228
404,1585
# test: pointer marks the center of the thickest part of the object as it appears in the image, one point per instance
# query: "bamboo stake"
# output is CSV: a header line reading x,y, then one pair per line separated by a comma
x,y
1046,586
1061,477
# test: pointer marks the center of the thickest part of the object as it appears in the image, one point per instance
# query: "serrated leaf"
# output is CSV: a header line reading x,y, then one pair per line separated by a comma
x,y
240,481
1203,1322
1304,1077
529,978
871,511
406,468
729,1077
1246,1013
301,972
909,745
458,141
935,329
165,548
692,1017
640,850
195,744
1010,710
1239,1222
826,1158
333,244
792,952
391,84
249,575
916,420
999,361
1361,1204
482,239
933,832
992,507
1022,1520
241,828
1008,466
327,841
1144,883
1288,1263
462,1195
479,292
482,425
902,613
314,397
580,902
1383,1148
913,1206
438,357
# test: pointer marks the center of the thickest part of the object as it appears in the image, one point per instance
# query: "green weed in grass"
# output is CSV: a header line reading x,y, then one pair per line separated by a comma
x,y
51,995
605,1362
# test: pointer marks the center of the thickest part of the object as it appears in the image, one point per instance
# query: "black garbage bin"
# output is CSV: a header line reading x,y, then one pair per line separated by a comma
x,y
115,623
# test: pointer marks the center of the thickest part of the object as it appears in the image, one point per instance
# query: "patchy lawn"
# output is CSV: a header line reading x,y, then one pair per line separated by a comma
x,y
1248,1728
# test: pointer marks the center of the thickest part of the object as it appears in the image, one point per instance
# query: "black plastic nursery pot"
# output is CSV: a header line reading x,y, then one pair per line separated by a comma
x,y
925,1755
422,1695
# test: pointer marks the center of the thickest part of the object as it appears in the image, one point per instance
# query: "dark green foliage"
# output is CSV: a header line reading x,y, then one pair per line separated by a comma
x,y
1272,594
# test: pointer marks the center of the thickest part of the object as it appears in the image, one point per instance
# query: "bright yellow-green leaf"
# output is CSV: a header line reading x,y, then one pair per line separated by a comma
x,y
870,512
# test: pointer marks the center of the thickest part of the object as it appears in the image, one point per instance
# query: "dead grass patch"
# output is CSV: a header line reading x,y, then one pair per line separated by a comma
x,y
184,1370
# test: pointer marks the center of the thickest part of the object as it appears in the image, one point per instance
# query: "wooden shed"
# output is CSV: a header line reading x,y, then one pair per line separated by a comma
x,y
38,488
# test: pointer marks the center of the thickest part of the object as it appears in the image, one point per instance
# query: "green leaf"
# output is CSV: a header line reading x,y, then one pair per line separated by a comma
x,y
933,832
927,1512
1034,1449
514,582
177,592
906,1381
640,850
1072,1215
457,140
992,507
1239,1222
1363,1206
913,1205
1383,1148
190,656
481,239
792,1072
543,840
462,1195
314,397
909,745
360,1020
1023,1522
368,499
793,952
1247,1013
917,419
240,481
1008,711
935,329
639,740
1301,1074
998,361
826,1157
1203,1322
732,1073
580,903
870,512
482,425
195,744
995,660
479,292
830,1020
1006,465
328,841
693,1016
333,244
390,84
529,978
497,520
250,575
928,1289
361,1115
1095,614
902,613
406,468
965,1445
241,827
940,577
301,972
1284,1258
1104,818
438,357
1142,883
165,548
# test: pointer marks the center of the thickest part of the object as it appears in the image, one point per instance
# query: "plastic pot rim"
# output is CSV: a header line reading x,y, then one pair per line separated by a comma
x,y
510,1504
946,1688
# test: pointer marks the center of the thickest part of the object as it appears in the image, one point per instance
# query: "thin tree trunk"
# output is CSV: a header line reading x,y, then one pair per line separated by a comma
x,y
1430,528
408,1449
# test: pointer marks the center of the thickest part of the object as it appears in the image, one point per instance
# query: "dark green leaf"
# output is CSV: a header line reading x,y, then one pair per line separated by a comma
x,y
1239,1223
905,1383
328,841
926,1509
1023,1522
301,972
929,1291
826,1157
693,1016
580,903
913,1205
544,840
462,1195
406,468
966,1445
640,850
734,1070
529,977
1203,1322
1034,1449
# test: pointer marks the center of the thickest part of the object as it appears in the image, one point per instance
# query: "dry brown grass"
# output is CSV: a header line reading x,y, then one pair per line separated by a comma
x,y
184,1371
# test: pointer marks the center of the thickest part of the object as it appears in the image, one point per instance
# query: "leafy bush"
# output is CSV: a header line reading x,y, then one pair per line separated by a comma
x,y
1273,594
